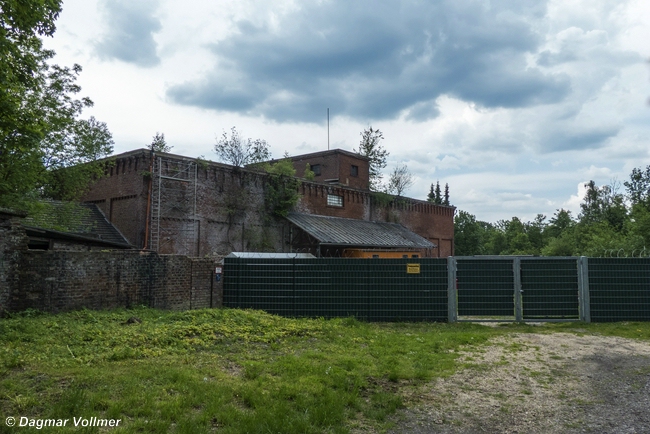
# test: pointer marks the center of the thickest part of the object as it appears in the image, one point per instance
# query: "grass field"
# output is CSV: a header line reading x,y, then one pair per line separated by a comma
x,y
227,370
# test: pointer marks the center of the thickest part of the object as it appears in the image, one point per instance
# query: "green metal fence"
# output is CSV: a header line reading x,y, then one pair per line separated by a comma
x,y
384,290
426,289
619,289
549,288
485,287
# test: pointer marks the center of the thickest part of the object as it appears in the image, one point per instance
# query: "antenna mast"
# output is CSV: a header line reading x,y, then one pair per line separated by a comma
x,y
328,128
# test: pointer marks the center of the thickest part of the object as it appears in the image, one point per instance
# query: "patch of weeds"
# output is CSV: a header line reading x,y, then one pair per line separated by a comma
x,y
230,370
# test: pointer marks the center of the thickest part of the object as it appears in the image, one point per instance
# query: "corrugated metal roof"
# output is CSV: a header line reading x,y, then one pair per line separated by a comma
x,y
360,233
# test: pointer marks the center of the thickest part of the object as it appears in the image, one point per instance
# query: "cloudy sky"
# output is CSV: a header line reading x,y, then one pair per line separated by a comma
x,y
514,103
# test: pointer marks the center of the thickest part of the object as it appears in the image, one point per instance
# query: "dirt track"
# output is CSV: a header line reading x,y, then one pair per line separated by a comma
x,y
539,383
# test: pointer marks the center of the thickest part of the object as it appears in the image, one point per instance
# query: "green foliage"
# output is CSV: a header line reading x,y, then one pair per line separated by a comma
x,y
445,201
469,236
159,144
603,204
309,174
431,197
225,369
40,132
371,147
58,216
436,196
233,371
202,162
638,187
281,194
609,223
381,199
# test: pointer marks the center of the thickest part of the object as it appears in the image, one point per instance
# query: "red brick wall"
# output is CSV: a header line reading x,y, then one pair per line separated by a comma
x,y
230,211
59,281
122,195
433,222
335,165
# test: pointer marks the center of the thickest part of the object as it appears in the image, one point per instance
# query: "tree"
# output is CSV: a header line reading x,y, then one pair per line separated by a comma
x,y
281,194
446,199
400,180
561,222
638,188
71,161
240,152
468,235
431,197
603,204
39,127
370,147
435,195
438,199
159,144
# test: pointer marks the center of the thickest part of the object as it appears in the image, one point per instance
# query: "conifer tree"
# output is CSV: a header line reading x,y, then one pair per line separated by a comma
x,y
438,199
431,197
446,201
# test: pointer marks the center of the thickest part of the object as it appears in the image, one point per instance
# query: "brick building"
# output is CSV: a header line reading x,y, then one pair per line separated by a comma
x,y
177,205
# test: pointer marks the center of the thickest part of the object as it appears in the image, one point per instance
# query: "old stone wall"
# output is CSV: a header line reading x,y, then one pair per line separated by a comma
x,y
13,243
56,281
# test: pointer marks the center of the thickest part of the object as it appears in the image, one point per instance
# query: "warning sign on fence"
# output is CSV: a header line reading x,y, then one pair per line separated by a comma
x,y
412,268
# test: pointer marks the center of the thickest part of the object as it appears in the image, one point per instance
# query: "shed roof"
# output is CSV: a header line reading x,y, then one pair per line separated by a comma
x,y
359,233
84,220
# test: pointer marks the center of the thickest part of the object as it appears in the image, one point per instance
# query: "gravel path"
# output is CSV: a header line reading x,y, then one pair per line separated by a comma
x,y
539,383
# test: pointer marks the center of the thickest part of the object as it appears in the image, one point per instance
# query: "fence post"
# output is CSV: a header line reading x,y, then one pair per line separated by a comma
x,y
452,294
516,269
293,272
583,289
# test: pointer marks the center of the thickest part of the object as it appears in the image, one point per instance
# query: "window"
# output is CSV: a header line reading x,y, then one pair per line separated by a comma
x,y
334,200
415,256
316,169
405,256
375,256
354,170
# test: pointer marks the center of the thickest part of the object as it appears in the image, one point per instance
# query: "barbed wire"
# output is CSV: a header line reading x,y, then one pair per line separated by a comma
x,y
626,253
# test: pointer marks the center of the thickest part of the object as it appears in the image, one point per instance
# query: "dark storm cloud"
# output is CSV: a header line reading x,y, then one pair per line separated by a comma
x,y
377,60
577,139
129,38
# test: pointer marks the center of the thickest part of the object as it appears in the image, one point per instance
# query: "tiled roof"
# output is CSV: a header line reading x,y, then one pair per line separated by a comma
x,y
85,220
359,233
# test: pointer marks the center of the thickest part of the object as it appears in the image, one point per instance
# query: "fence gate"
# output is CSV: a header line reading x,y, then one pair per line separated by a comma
x,y
514,289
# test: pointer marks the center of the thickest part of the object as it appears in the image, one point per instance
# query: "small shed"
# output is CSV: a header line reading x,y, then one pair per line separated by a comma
x,y
337,237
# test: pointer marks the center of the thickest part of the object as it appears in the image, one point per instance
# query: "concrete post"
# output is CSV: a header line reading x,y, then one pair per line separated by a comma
x,y
583,289
516,269
452,294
